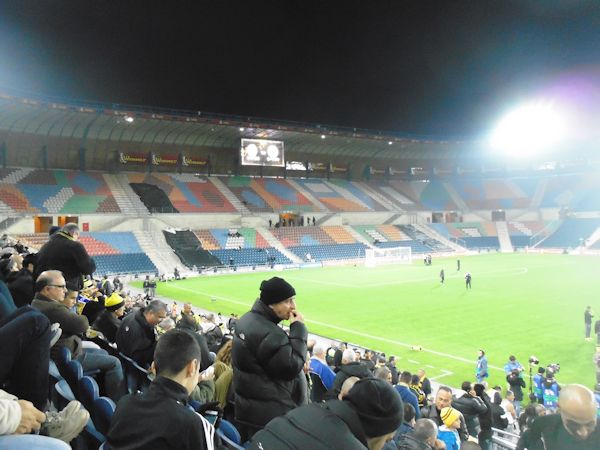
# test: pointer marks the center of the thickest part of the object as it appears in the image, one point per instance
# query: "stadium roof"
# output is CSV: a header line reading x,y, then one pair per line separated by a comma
x,y
126,123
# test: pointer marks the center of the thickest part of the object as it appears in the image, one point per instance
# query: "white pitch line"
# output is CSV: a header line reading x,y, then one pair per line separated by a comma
x,y
429,366
412,361
445,374
346,330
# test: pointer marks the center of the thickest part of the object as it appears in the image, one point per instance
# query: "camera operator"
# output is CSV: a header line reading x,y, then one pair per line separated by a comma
x,y
516,385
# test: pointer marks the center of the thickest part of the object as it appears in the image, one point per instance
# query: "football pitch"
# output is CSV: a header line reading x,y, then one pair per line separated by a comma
x,y
519,304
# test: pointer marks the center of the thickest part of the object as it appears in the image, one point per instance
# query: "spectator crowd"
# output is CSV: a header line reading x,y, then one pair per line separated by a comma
x,y
270,386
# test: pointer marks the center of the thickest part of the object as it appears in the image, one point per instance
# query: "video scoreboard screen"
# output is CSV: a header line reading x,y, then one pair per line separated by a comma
x,y
262,152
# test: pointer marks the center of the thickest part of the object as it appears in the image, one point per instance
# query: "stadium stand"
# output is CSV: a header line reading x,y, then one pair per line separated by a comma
x,y
299,236
329,252
334,196
250,257
571,233
499,193
267,194
185,193
188,248
473,235
56,191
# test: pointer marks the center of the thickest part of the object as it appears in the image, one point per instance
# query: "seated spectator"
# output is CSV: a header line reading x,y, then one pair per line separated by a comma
x,y
18,418
383,373
366,418
423,437
51,300
25,340
136,337
319,366
213,333
574,427
20,281
443,398
187,319
407,425
161,417
110,320
348,368
406,394
470,406
447,432
223,379
348,384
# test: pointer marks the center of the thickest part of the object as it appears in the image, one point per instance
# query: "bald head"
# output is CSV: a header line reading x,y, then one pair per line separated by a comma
x,y
348,356
577,407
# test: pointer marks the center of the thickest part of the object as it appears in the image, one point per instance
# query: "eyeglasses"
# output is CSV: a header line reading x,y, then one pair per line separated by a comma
x,y
61,286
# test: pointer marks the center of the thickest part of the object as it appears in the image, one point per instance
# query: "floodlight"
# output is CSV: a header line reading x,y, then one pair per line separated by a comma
x,y
128,119
532,128
322,136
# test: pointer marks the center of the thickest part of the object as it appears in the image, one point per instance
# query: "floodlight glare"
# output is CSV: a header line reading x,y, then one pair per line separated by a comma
x,y
528,130
129,119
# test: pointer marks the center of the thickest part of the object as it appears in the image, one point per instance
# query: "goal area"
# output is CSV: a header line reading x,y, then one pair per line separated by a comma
x,y
396,255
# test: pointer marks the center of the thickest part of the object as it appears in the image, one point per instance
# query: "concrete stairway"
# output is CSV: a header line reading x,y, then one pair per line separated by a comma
x,y
154,244
237,204
274,242
460,203
504,237
128,201
377,196
311,198
438,237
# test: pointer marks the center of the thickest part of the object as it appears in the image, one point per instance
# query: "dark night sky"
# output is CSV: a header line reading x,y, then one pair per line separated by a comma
x,y
442,68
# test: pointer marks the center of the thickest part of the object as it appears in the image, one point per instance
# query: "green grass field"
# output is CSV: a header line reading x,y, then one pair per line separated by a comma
x,y
520,304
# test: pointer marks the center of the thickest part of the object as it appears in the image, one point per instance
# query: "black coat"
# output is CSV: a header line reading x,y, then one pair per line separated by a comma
x,y
470,407
266,365
20,285
353,369
516,385
431,412
136,338
62,253
156,419
330,425
107,324
548,433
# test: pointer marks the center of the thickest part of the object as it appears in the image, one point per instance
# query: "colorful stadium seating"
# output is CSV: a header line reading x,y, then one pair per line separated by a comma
x,y
185,193
267,194
56,191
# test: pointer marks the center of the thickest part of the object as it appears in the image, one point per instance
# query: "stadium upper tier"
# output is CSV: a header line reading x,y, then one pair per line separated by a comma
x,y
55,191
27,191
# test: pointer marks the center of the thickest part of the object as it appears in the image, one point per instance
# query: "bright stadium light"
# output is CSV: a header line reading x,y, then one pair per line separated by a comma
x,y
528,130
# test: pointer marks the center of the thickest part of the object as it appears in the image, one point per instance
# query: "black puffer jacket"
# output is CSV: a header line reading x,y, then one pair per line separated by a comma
x,y
471,407
136,338
353,369
63,253
266,365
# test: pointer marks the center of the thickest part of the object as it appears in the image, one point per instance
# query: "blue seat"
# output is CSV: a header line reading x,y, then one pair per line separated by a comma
x,y
230,431
73,373
64,356
64,391
102,413
135,375
88,392
228,442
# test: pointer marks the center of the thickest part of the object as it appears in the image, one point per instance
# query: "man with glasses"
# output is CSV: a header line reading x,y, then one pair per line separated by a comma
x,y
49,298
136,336
573,428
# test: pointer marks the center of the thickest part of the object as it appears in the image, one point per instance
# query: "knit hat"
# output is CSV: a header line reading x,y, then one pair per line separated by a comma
x,y
449,415
114,302
275,290
378,406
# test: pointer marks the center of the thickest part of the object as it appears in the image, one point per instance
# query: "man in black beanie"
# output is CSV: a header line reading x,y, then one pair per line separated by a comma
x,y
267,362
367,417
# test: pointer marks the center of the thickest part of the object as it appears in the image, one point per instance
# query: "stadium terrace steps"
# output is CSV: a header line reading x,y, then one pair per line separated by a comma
x,y
127,200
428,230
207,240
378,197
16,176
330,252
355,196
160,253
504,237
320,206
229,195
358,237
275,243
